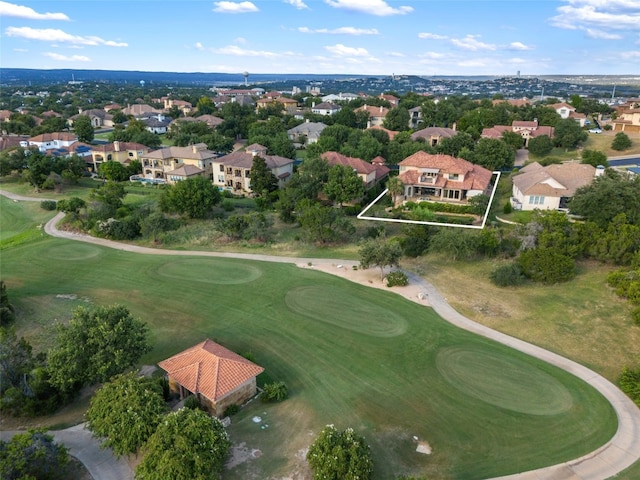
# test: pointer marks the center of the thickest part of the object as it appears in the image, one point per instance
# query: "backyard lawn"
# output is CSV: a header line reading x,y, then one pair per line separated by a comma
x,y
350,355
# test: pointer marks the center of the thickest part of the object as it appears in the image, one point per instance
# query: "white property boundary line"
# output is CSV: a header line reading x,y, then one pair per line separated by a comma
x,y
361,215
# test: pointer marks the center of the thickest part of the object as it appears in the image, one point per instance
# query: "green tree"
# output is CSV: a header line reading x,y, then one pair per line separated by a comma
x,y
96,344
336,455
7,311
125,412
33,456
263,181
395,187
16,360
606,197
114,171
397,119
205,106
594,157
493,154
188,444
569,134
39,168
629,382
152,225
513,139
379,252
194,197
454,243
343,185
71,205
621,142
322,224
83,129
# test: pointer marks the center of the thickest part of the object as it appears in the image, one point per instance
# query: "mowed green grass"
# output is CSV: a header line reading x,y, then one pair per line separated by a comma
x,y
350,355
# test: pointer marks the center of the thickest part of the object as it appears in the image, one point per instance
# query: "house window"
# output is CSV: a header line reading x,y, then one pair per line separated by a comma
x,y
220,178
536,200
229,171
247,173
237,173
222,168
131,154
454,176
109,157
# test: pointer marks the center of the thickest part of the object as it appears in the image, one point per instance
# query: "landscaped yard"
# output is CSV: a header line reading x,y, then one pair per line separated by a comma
x,y
351,355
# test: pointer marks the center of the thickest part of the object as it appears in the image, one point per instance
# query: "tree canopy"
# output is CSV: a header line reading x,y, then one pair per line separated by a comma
x,y
621,141
194,197
83,128
379,252
263,181
188,444
33,455
126,411
343,184
340,455
96,344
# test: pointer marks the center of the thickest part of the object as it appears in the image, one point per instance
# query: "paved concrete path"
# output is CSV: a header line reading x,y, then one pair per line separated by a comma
x,y
101,463
613,457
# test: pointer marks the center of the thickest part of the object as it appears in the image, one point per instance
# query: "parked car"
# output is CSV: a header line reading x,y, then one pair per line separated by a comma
x,y
595,130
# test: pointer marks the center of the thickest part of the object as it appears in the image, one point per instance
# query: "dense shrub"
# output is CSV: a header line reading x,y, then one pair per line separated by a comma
x,y
547,265
507,207
193,403
507,275
635,315
274,392
48,204
630,383
397,278
231,410
626,284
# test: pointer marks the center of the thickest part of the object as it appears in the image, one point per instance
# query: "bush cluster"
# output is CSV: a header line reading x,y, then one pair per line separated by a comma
x,y
48,205
274,392
397,278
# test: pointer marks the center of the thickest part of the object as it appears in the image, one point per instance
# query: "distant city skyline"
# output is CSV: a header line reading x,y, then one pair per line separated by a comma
x,y
366,37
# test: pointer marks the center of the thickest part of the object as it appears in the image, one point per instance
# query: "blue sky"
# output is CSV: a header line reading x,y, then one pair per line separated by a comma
x,y
376,37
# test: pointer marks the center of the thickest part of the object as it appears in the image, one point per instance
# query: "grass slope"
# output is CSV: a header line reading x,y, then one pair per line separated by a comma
x,y
350,355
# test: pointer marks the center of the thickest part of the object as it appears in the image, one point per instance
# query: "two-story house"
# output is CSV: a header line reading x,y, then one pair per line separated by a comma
x,y
325,108
376,115
442,178
53,141
306,133
121,152
370,173
526,129
233,171
156,164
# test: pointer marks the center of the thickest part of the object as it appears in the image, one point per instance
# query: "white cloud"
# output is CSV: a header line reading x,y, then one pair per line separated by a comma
x,y
631,55
12,10
519,46
343,51
396,54
341,31
379,8
471,42
432,36
199,46
601,35
243,52
604,14
299,4
432,55
65,58
56,35
233,7
20,50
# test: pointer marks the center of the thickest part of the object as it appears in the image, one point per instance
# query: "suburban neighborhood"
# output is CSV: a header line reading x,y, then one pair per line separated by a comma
x,y
218,284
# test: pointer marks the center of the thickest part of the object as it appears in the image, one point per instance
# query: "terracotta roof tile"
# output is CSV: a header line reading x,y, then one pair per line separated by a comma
x,y
210,369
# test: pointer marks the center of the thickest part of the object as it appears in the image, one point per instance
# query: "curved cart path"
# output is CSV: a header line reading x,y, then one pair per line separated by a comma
x,y
610,459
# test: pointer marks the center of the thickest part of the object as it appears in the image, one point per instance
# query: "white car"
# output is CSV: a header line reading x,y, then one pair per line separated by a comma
x,y
595,130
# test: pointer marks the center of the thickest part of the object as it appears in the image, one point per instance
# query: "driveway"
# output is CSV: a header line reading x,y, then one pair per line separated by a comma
x,y
613,457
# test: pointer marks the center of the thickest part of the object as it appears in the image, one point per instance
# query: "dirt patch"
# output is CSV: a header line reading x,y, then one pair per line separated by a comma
x,y
147,370
240,454
370,278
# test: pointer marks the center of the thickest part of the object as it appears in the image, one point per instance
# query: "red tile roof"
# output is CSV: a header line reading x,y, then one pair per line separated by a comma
x,y
475,176
210,370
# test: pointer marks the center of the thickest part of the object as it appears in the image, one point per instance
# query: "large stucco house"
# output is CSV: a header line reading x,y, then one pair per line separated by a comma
x,y
233,171
442,178
526,129
217,376
370,173
121,152
550,188
156,164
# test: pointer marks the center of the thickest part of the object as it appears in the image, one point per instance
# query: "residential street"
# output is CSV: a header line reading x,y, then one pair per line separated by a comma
x,y
613,457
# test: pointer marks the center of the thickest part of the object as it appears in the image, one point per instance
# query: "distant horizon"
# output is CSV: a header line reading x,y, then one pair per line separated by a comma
x,y
438,38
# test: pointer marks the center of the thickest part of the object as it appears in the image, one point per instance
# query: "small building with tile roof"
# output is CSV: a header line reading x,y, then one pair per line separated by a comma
x,y
526,129
217,376
433,135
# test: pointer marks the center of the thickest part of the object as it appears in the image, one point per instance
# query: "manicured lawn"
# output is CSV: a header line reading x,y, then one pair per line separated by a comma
x,y
351,356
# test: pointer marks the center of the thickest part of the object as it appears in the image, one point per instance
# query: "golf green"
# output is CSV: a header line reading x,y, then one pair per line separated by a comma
x,y
219,272
505,382
338,308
